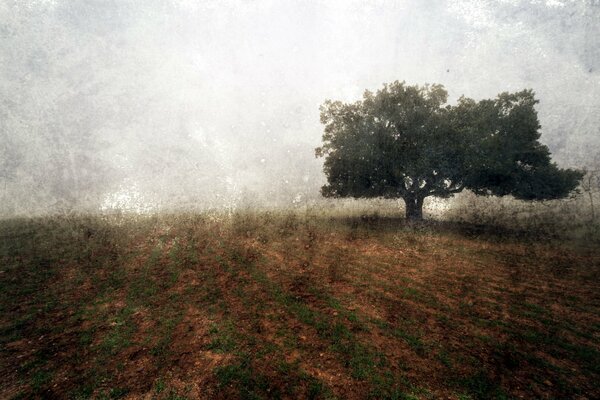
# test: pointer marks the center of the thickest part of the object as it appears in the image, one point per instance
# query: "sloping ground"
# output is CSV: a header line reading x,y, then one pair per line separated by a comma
x,y
278,306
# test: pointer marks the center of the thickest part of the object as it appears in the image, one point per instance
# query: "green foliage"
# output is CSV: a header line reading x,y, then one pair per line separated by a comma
x,y
405,142
480,386
250,384
224,338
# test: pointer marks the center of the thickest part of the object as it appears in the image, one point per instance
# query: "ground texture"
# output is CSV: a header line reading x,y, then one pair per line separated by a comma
x,y
282,306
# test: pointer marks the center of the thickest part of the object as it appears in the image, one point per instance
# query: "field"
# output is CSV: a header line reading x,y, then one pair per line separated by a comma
x,y
290,305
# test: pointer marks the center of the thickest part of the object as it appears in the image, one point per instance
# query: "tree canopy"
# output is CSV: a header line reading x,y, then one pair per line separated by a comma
x,y
407,142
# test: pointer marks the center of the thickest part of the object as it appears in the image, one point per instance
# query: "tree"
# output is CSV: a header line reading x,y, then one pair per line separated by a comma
x,y
406,142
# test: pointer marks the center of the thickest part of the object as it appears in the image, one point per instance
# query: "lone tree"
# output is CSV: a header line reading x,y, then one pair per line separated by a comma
x,y
406,142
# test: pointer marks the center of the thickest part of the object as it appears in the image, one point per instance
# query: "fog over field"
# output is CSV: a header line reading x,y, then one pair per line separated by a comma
x,y
144,104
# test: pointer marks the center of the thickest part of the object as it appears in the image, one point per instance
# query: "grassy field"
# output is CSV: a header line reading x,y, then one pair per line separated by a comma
x,y
284,305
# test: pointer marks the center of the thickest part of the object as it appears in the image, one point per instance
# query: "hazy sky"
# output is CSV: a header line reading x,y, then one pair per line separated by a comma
x,y
173,103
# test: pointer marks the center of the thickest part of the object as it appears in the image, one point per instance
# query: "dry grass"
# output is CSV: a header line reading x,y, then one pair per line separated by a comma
x,y
283,305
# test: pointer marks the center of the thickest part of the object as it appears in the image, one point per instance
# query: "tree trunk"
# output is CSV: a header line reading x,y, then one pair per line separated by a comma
x,y
414,208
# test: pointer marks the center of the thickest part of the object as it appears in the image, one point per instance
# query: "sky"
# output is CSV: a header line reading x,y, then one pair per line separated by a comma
x,y
147,104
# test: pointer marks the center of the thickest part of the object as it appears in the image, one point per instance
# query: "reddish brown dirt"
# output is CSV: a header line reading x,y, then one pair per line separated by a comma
x,y
443,315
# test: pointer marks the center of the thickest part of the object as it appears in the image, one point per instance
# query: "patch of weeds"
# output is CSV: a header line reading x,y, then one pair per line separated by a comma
x,y
539,362
444,358
289,224
317,390
409,396
491,323
534,311
532,336
412,293
361,360
143,289
86,337
17,329
381,324
336,333
290,341
560,348
40,379
20,396
585,355
357,323
487,339
294,378
178,261
83,392
166,329
114,393
209,293
159,386
420,392
446,321
480,387
174,396
334,303
388,387
224,338
304,313
248,383
119,336
506,355
36,363
413,341
116,279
